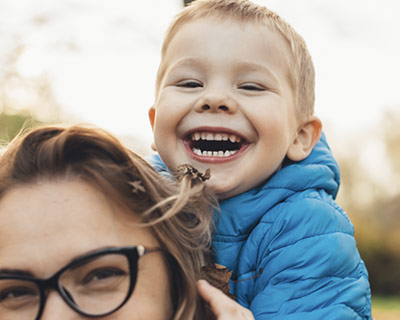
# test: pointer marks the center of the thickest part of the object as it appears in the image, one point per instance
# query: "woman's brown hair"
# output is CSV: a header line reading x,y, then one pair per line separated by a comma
x,y
179,214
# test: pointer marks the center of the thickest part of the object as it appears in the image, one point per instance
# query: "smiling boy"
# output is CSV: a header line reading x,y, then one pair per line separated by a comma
x,y
230,83
235,94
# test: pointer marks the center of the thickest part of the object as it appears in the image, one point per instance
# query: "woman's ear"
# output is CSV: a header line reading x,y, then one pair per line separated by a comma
x,y
152,115
306,138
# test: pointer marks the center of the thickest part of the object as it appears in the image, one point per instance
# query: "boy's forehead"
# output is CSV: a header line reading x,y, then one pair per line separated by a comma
x,y
272,38
228,23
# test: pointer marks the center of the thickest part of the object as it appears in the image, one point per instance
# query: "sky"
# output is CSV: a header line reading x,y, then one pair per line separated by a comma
x,y
101,57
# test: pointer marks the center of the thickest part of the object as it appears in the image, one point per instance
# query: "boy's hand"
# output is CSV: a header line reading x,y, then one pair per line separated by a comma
x,y
223,307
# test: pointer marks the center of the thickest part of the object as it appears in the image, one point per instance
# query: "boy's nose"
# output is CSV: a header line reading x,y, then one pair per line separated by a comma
x,y
216,102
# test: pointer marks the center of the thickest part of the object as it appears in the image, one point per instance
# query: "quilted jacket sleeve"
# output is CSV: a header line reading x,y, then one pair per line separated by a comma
x,y
311,267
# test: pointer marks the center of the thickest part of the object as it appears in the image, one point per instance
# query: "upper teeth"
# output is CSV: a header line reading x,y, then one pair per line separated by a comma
x,y
209,136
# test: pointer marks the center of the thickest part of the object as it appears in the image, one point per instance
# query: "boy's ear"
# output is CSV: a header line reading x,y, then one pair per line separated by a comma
x,y
152,115
307,136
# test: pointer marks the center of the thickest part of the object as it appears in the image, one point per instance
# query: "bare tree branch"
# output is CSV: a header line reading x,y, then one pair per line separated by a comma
x,y
186,2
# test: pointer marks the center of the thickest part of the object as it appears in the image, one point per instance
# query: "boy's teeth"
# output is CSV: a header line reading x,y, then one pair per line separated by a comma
x,y
220,153
209,136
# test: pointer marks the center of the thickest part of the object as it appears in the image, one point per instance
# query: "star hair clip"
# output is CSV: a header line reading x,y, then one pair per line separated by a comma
x,y
137,186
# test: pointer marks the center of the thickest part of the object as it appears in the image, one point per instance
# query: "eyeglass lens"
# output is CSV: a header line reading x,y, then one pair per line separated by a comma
x,y
95,287
19,299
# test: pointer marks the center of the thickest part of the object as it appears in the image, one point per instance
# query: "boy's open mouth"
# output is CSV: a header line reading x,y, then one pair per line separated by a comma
x,y
211,144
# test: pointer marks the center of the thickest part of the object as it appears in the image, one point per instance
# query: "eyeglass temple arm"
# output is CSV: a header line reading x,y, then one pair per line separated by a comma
x,y
142,251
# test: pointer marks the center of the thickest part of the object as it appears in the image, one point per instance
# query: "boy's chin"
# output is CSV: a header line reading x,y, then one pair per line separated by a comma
x,y
226,188
221,191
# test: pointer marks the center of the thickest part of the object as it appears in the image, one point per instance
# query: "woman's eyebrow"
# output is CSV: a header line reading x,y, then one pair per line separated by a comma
x,y
19,272
15,272
88,253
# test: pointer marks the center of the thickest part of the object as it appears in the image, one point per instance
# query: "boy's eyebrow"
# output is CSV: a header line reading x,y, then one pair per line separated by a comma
x,y
255,67
189,62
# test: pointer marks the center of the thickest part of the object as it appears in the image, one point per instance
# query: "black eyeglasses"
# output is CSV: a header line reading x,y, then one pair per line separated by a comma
x,y
94,285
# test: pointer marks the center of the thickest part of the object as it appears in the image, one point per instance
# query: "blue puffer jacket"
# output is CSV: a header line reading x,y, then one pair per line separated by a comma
x,y
291,247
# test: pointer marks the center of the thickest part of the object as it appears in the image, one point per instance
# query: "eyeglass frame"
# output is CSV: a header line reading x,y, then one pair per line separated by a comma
x,y
132,253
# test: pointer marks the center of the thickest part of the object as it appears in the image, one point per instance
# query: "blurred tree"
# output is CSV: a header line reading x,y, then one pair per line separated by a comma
x,y
391,125
26,95
377,220
24,101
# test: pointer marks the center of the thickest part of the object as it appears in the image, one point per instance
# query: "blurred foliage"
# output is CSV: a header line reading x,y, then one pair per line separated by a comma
x,y
24,101
386,303
12,124
392,138
27,101
386,308
375,211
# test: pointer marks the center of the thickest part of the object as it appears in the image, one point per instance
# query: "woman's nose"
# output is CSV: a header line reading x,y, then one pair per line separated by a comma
x,y
57,308
214,100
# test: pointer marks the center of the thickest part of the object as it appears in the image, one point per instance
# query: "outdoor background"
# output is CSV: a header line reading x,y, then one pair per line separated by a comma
x,y
93,61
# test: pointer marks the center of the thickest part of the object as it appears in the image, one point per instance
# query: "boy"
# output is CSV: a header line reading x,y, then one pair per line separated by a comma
x,y
235,93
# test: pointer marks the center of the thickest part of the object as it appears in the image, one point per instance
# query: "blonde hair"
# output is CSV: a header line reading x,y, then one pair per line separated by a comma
x,y
300,66
178,214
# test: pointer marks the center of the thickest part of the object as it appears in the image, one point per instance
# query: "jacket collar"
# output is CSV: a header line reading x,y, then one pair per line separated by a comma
x,y
240,214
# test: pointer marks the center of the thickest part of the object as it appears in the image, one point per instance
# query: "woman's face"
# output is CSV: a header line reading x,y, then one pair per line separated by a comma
x,y
44,226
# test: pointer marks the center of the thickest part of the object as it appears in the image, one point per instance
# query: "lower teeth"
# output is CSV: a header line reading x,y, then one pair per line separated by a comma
x,y
220,153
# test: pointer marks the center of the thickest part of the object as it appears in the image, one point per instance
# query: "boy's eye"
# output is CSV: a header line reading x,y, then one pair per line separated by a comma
x,y
251,87
189,84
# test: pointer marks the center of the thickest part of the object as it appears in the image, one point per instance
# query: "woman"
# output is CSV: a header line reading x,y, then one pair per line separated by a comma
x,y
88,229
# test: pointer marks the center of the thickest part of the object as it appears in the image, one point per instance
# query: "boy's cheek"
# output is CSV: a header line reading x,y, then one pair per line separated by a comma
x,y
223,185
218,189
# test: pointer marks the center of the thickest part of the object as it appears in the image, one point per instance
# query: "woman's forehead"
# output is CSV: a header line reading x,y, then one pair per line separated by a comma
x,y
59,221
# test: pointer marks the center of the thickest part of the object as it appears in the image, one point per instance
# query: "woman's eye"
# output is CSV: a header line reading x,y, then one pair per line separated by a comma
x,y
189,84
252,87
13,293
102,275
